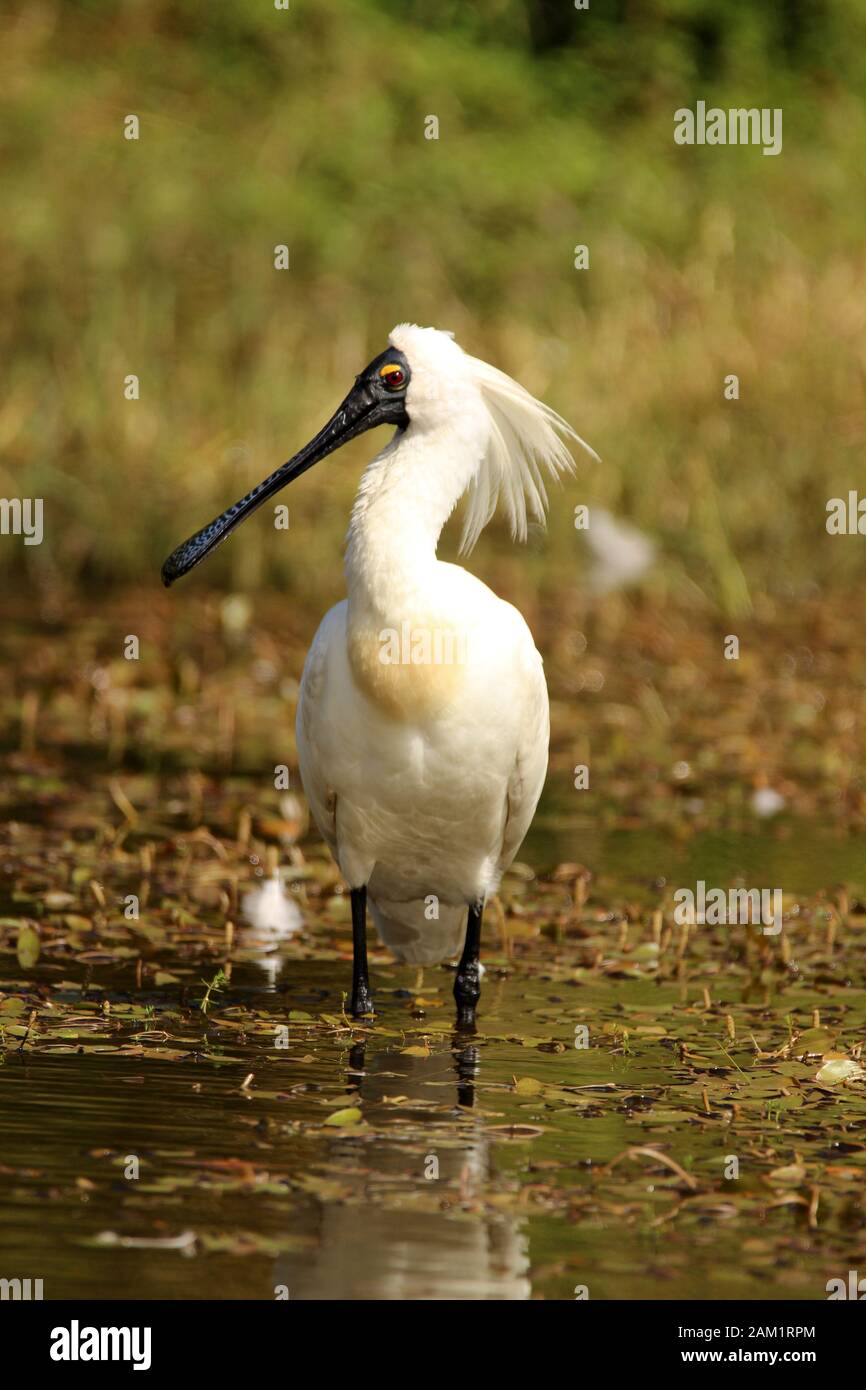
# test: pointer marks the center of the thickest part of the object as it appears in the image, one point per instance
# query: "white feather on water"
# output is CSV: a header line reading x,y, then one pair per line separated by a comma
x,y
271,912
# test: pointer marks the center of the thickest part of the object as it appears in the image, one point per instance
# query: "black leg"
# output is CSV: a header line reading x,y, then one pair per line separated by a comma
x,y
467,986
466,1064
362,1000
355,1070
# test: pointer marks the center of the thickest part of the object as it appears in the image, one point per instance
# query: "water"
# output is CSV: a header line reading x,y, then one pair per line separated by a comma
x,y
242,1190
150,1149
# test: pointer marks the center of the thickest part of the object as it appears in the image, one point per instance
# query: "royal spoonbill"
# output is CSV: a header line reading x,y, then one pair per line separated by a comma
x,y
422,722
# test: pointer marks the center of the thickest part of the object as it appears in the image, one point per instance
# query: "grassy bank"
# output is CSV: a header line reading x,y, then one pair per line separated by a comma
x,y
155,257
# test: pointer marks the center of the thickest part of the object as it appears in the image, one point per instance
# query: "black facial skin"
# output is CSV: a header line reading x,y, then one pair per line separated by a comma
x,y
370,402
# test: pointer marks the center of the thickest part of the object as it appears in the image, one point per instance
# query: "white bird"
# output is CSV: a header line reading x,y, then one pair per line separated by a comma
x,y
423,722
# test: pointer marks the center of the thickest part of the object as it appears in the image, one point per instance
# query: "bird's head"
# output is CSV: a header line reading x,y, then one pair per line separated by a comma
x,y
422,380
378,397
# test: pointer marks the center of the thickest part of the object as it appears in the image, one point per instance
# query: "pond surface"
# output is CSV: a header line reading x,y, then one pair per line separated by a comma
x,y
650,1108
153,1150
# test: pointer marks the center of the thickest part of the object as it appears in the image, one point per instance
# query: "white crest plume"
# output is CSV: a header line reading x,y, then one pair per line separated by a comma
x,y
524,440
524,444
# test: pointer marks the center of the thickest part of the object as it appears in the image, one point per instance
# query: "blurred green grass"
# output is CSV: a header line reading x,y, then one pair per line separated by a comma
x,y
306,127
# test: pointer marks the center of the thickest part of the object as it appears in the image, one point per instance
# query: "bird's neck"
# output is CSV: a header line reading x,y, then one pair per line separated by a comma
x,y
404,641
405,498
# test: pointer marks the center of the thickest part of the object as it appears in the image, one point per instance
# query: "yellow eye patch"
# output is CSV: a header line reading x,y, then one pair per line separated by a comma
x,y
392,374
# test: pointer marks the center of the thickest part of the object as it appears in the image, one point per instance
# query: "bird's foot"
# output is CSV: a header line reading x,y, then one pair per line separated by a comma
x,y
467,992
362,1002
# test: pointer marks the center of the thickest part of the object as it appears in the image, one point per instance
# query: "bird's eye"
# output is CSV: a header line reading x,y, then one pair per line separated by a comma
x,y
393,376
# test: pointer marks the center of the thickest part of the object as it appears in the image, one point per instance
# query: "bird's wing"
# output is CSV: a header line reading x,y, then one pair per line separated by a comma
x,y
530,767
309,731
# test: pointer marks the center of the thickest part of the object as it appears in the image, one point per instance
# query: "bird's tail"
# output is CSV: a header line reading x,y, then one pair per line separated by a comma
x,y
423,932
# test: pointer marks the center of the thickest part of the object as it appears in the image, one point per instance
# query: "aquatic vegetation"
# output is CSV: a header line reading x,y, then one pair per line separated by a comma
x,y
651,1107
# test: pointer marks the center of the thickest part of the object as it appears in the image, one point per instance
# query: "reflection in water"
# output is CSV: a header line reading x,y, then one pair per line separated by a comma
x,y
271,916
274,1196
368,1246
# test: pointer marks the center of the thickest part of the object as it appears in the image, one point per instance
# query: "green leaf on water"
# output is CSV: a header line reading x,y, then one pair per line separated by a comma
x,y
350,1116
814,1040
28,946
528,1086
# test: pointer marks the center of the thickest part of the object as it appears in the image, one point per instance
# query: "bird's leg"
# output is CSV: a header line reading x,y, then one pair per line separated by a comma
x,y
362,999
355,1071
467,986
466,1064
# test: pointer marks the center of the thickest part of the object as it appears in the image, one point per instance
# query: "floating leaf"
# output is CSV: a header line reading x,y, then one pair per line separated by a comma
x,y
528,1086
28,946
840,1069
813,1040
793,1174
56,900
350,1116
